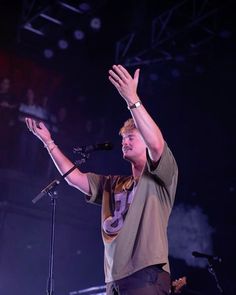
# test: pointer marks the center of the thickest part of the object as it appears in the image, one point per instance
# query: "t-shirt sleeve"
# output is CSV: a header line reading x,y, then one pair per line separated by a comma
x,y
166,168
96,183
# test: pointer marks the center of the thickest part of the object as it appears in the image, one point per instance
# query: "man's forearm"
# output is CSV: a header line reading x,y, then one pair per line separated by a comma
x,y
149,130
76,178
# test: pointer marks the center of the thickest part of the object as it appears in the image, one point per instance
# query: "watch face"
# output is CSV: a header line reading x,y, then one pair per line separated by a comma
x,y
135,105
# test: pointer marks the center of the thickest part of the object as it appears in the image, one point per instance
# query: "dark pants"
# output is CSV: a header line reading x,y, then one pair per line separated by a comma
x,y
151,280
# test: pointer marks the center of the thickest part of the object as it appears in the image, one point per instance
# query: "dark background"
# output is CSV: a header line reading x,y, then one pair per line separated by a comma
x,y
187,83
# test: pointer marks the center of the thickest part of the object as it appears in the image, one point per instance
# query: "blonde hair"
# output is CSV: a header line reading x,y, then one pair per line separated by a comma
x,y
128,126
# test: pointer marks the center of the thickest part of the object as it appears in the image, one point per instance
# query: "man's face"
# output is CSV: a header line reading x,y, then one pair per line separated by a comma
x,y
133,145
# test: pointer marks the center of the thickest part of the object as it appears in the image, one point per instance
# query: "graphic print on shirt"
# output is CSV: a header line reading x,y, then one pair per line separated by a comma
x,y
113,224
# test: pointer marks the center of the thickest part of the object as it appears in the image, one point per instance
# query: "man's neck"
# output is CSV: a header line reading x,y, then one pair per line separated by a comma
x,y
137,169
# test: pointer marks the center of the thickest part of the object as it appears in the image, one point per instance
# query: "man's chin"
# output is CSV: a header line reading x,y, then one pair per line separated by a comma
x,y
126,157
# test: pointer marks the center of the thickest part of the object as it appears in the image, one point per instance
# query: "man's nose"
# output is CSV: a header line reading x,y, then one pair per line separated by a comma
x,y
124,141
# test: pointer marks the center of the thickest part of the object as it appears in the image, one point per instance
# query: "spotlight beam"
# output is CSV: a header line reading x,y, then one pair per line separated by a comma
x,y
70,7
52,19
31,29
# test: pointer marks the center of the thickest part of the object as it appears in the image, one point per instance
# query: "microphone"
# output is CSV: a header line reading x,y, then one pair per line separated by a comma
x,y
46,190
106,146
209,257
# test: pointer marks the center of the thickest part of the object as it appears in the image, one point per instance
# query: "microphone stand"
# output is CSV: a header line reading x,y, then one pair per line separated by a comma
x,y
212,271
52,193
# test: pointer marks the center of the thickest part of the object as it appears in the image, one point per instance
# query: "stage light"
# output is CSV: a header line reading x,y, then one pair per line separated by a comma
x,y
95,23
63,44
79,35
48,53
85,7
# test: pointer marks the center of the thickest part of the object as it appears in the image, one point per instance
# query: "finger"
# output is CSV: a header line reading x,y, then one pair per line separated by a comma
x,y
114,82
136,76
121,73
115,77
124,72
41,125
34,126
29,123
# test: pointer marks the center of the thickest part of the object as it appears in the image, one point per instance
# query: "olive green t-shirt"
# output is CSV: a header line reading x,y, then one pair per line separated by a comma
x,y
142,240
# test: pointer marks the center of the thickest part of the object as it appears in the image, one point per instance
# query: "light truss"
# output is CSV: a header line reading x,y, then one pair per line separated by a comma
x,y
37,16
187,25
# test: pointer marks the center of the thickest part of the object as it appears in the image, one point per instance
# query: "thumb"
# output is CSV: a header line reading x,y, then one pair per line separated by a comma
x,y
136,76
41,125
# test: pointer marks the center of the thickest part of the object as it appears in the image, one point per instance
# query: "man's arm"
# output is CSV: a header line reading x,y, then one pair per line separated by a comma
x,y
76,178
127,87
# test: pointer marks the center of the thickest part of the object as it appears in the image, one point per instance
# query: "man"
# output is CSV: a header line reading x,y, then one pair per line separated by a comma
x,y
135,209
